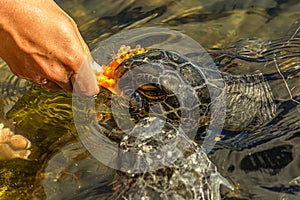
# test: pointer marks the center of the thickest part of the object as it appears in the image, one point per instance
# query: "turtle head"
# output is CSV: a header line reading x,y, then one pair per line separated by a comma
x,y
161,84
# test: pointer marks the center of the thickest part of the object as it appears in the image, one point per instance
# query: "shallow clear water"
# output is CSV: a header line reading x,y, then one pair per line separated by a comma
x,y
265,166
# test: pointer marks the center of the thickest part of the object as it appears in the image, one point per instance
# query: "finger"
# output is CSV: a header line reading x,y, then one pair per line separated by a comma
x,y
84,81
19,142
58,78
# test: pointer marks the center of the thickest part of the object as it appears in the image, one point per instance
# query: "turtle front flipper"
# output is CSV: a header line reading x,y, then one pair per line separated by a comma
x,y
250,92
278,60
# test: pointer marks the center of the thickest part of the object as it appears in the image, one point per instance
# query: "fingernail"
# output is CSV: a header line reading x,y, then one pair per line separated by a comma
x,y
85,82
96,67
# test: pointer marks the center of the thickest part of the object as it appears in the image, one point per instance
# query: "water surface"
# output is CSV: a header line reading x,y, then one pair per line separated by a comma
x,y
267,167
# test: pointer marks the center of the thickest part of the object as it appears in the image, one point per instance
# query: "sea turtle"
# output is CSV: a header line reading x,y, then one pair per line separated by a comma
x,y
192,175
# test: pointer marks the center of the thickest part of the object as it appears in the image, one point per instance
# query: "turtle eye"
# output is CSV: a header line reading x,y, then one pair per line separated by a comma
x,y
137,108
136,98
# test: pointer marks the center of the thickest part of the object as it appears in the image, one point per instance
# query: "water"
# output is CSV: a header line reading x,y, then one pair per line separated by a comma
x,y
59,168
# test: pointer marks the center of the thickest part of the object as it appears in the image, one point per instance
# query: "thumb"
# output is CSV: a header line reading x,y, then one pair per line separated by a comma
x,y
84,80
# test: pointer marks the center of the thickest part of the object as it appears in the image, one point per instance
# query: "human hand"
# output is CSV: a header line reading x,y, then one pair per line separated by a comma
x,y
13,146
41,43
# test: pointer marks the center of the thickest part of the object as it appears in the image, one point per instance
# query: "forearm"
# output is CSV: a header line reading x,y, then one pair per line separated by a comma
x,y
18,22
7,10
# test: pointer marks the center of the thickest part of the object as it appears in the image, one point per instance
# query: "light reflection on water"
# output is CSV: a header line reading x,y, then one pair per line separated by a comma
x,y
46,119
